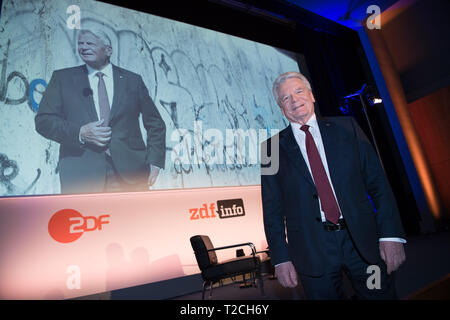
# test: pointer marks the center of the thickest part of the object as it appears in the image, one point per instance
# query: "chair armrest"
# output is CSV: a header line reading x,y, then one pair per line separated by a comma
x,y
251,245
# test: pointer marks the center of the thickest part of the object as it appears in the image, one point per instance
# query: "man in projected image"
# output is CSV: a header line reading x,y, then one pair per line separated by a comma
x,y
327,169
93,111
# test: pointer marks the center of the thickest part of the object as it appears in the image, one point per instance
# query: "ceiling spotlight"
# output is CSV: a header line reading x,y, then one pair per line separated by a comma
x,y
375,101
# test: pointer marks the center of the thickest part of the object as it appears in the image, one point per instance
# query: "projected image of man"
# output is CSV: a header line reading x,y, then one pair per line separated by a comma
x,y
93,112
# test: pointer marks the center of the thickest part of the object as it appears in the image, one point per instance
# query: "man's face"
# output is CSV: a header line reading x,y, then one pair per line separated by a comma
x,y
92,51
296,100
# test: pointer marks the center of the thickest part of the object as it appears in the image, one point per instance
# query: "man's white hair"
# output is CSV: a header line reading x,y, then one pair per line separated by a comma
x,y
101,35
283,77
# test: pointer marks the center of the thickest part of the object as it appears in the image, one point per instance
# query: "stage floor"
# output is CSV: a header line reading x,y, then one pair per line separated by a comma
x,y
427,261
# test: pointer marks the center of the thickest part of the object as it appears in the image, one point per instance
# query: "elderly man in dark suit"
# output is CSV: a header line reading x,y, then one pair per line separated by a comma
x,y
318,214
93,111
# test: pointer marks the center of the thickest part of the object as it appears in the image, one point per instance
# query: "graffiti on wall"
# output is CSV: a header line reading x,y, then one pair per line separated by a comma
x,y
195,77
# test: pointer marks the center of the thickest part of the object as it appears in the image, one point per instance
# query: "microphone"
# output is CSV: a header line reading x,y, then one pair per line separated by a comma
x,y
87,92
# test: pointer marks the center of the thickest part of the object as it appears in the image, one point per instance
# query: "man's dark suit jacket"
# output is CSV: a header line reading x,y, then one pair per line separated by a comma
x,y
68,104
290,198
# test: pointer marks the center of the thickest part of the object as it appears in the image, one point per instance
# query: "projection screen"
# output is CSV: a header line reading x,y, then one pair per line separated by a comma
x,y
212,91
208,103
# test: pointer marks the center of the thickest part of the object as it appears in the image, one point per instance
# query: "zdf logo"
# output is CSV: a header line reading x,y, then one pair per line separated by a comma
x,y
68,225
231,208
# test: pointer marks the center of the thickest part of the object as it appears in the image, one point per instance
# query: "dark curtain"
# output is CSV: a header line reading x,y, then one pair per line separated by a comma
x,y
337,68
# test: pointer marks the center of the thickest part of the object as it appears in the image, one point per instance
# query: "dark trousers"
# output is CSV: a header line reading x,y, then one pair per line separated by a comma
x,y
114,183
343,257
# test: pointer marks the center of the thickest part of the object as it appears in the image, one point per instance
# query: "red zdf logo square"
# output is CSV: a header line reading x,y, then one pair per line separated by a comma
x,y
68,225
230,208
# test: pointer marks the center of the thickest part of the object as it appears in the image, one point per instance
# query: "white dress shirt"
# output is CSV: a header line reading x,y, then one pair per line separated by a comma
x,y
109,83
93,83
300,137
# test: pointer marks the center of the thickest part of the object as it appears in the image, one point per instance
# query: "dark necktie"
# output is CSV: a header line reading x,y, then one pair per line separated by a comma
x,y
103,101
323,186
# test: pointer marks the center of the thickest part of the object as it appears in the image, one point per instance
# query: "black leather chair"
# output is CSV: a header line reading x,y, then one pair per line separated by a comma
x,y
214,271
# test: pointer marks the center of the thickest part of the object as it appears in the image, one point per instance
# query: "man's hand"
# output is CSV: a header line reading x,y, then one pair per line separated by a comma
x,y
154,171
286,274
94,133
393,254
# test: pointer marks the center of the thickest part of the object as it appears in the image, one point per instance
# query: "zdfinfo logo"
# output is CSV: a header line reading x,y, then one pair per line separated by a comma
x,y
231,208
68,225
